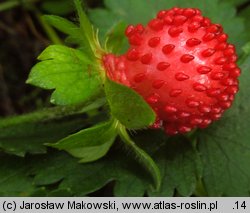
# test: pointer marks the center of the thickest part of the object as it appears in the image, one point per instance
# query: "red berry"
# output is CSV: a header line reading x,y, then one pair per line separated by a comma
x,y
182,65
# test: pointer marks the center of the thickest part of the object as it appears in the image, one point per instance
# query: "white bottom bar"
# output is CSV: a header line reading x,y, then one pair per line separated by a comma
x,y
126,205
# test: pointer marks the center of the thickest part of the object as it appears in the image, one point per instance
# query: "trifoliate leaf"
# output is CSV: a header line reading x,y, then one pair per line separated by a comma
x,y
127,106
69,72
89,144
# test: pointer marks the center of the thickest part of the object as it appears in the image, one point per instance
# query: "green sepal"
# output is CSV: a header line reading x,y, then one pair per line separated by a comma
x,y
128,107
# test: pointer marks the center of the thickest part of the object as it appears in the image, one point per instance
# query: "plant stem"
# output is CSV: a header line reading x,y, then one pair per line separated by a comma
x,y
51,113
143,157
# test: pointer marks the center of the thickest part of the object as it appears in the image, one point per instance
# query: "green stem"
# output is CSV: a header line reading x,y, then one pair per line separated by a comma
x,y
51,113
51,33
11,4
144,158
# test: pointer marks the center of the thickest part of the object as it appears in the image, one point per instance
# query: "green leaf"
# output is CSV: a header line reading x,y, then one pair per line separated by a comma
x,y
75,35
179,162
63,25
225,147
89,144
56,172
85,24
128,107
59,173
181,168
28,133
134,12
69,72
14,180
65,170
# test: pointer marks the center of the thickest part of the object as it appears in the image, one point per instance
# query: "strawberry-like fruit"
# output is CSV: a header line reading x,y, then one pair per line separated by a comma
x,y
182,65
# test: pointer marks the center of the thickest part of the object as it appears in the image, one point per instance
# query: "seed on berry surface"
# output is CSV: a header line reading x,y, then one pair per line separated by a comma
x,y
208,37
193,42
145,59
181,76
175,31
133,55
162,66
139,77
170,109
186,58
203,69
168,48
175,92
157,84
208,52
153,42
199,87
